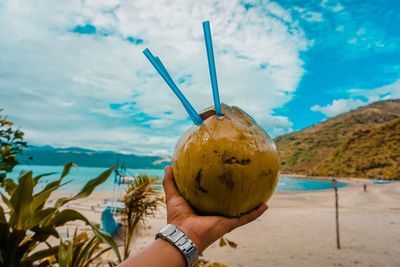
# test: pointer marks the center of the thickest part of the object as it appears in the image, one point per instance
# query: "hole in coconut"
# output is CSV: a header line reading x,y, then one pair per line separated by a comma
x,y
207,114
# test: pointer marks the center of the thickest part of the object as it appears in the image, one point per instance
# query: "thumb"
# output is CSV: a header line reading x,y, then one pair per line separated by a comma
x,y
169,184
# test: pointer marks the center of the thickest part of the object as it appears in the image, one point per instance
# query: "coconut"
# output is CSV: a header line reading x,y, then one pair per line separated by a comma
x,y
228,165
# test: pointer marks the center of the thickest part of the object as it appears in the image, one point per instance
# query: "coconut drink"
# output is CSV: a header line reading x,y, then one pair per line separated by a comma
x,y
226,164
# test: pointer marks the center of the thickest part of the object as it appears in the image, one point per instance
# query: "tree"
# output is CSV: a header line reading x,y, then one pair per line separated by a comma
x,y
11,144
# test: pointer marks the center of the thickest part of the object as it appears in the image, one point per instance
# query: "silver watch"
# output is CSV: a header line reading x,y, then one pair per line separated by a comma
x,y
176,237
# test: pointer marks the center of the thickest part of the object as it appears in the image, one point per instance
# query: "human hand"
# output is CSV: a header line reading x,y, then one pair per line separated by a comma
x,y
202,230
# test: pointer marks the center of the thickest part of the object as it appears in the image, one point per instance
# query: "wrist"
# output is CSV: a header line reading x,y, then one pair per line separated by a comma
x,y
193,235
182,242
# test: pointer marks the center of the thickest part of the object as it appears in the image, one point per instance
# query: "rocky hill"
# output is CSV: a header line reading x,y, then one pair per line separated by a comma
x,y
361,143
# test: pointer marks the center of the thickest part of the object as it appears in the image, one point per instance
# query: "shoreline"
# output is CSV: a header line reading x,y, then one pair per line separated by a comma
x,y
299,229
290,175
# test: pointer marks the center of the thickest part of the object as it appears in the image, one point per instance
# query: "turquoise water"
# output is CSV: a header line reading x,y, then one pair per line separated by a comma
x,y
79,176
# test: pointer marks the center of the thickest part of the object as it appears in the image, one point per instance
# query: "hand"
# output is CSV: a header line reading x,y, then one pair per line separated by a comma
x,y
202,230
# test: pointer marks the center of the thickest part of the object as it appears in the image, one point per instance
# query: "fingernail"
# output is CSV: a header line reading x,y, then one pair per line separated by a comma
x,y
166,169
264,207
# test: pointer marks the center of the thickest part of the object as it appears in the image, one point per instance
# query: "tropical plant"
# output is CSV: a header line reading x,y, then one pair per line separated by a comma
x,y
80,251
11,144
141,200
28,223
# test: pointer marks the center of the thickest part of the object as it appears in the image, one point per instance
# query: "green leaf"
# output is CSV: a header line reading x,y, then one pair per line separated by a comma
x,y
107,238
40,198
38,177
66,169
92,184
21,201
65,254
40,216
44,232
9,186
70,215
67,215
98,255
88,188
42,254
86,252
3,219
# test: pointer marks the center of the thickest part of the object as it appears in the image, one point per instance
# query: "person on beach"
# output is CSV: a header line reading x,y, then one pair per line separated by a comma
x,y
187,234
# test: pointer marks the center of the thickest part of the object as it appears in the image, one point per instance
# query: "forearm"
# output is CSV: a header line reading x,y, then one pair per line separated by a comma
x,y
158,254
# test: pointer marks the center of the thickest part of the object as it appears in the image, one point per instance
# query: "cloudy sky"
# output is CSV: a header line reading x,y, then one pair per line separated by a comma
x,y
72,72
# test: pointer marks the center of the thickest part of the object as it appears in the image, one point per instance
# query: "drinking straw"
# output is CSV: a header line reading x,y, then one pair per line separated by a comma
x,y
162,67
157,64
211,66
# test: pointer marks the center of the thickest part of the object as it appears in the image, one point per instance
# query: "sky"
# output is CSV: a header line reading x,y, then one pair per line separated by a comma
x,y
72,73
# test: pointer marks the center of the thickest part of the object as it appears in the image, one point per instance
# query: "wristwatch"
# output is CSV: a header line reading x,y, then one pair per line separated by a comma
x,y
173,235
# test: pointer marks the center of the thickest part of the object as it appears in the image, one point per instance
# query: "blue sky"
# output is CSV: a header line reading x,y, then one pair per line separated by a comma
x,y
356,47
72,73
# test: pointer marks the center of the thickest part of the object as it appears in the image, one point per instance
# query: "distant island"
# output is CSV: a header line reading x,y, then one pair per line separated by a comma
x,y
361,143
48,155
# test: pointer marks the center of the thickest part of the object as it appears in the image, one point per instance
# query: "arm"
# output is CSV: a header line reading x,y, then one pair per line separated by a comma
x,y
202,230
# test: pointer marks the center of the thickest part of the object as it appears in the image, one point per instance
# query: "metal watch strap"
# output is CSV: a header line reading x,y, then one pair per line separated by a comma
x,y
172,234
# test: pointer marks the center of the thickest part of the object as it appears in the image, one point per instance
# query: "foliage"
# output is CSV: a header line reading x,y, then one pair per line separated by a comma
x,y
204,263
31,223
225,242
11,144
80,250
222,243
360,143
141,200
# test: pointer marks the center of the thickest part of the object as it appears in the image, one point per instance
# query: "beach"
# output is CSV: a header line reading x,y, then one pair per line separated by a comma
x,y
299,229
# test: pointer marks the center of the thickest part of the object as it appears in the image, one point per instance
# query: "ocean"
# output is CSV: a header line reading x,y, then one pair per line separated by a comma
x,y
80,175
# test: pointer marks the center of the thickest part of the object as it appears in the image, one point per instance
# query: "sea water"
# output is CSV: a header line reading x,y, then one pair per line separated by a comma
x,y
78,176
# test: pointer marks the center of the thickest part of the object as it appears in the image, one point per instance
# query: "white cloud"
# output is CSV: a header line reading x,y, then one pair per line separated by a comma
x,y
309,15
359,97
58,85
389,91
337,8
312,16
338,106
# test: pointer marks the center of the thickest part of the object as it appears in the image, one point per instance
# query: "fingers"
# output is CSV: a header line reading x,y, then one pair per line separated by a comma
x,y
246,218
169,184
252,215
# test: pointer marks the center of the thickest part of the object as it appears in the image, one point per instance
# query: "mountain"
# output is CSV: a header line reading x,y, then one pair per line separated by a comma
x,y
361,143
47,155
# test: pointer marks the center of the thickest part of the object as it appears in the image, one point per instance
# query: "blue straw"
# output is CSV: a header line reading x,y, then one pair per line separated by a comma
x,y
156,62
162,67
211,66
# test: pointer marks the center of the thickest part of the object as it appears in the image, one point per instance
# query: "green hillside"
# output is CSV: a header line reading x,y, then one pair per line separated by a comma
x,y
361,143
47,155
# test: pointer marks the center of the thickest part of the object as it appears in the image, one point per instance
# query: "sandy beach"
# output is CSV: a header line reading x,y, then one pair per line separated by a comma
x,y
299,229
